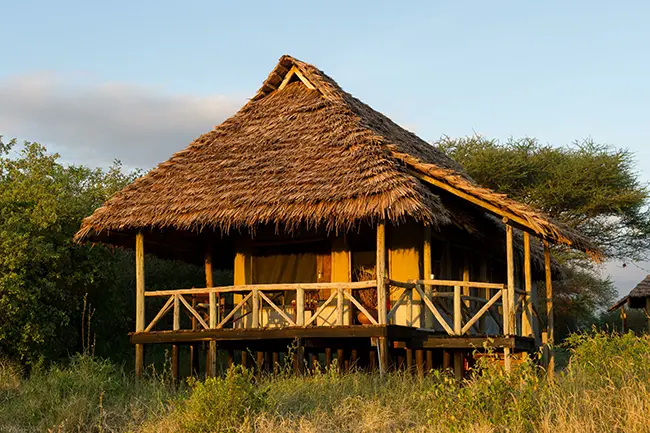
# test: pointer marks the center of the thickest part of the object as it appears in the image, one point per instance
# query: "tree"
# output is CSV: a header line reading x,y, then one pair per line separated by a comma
x,y
45,276
591,187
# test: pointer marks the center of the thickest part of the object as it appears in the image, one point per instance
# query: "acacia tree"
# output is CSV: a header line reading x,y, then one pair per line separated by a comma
x,y
591,187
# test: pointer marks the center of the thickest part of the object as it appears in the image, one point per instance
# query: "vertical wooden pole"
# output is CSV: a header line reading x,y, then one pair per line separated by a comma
x,y
458,312
446,360
381,272
300,307
340,355
256,309
459,365
419,361
647,311
527,314
328,357
429,366
339,306
549,310
276,362
409,360
427,271
466,289
483,276
382,343
510,257
211,368
139,302
176,327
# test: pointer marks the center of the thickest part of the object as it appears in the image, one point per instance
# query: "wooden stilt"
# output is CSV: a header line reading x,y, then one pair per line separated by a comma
x,y
446,360
429,365
300,356
527,313
209,282
276,362
372,360
176,327
382,344
259,361
409,360
244,358
139,302
339,359
459,365
419,362
354,358
428,274
549,310
328,357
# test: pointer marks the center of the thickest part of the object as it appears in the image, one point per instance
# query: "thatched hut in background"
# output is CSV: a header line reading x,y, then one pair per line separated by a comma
x,y
344,231
638,298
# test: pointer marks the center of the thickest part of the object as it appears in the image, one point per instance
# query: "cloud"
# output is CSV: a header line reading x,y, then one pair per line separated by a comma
x,y
94,123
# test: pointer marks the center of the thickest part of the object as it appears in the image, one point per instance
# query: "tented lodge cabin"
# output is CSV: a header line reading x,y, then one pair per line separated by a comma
x,y
350,240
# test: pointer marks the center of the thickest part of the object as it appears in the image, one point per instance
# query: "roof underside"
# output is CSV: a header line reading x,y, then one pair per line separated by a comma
x,y
303,153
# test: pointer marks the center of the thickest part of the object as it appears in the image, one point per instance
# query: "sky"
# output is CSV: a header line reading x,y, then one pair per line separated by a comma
x,y
137,81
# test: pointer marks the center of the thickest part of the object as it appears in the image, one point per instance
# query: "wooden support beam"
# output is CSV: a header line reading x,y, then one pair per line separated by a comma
x,y
483,276
510,263
429,365
340,356
466,289
419,361
381,273
211,368
527,315
176,327
139,301
275,359
459,365
549,310
328,357
458,314
428,274
382,348
409,360
300,307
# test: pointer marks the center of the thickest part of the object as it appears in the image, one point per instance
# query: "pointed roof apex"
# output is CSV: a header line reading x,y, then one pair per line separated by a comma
x,y
290,69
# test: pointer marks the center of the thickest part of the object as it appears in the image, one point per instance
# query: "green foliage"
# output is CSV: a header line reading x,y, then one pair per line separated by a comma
x,y
222,404
605,387
45,276
592,188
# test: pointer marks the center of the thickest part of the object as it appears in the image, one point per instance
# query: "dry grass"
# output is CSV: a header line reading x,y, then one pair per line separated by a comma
x,y
605,388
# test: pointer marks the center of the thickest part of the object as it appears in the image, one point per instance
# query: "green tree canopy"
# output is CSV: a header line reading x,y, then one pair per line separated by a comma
x,y
591,187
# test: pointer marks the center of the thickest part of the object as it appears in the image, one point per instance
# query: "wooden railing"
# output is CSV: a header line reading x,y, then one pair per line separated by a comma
x,y
457,313
255,296
461,318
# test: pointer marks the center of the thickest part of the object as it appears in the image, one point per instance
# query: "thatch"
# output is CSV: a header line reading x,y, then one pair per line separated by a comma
x,y
637,296
299,157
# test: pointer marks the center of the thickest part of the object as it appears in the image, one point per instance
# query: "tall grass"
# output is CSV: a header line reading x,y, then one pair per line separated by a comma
x,y
605,387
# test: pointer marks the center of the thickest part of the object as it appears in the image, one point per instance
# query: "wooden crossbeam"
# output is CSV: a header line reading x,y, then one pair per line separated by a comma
x,y
164,310
276,308
321,308
193,312
435,312
234,310
360,307
397,304
265,287
480,312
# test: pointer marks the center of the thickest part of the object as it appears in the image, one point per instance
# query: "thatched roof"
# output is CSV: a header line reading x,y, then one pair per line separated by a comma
x,y
304,153
637,296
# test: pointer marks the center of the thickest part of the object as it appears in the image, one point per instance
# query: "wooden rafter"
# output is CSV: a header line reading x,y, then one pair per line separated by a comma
x,y
294,71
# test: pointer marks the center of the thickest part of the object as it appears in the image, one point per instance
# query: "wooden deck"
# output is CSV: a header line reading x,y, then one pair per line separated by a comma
x,y
399,337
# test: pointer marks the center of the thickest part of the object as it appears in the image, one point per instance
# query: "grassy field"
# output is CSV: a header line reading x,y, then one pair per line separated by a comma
x,y
605,387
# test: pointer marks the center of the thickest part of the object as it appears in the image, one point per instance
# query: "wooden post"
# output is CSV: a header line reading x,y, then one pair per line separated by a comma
x,y
139,302
458,313
466,289
256,309
339,306
419,361
647,310
409,360
276,362
211,368
328,357
382,343
176,327
483,276
459,365
549,310
427,271
381,273
340,354
511,330
527,314
300,307
429,366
